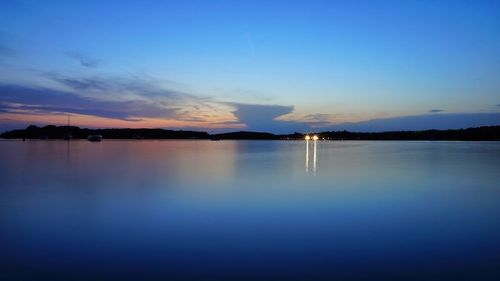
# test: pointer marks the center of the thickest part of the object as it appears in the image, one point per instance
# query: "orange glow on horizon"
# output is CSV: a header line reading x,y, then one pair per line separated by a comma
x,y
101,122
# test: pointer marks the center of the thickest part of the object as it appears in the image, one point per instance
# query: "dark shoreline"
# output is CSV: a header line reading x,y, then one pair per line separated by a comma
x,y
486,133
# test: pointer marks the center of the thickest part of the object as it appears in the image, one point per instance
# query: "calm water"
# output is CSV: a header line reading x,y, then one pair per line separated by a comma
x,y
246,210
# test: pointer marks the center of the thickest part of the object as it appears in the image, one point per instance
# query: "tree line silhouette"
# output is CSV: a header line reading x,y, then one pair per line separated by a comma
x,y
59,132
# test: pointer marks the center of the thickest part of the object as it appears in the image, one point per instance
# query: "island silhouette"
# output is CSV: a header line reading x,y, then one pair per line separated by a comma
x,y
485,133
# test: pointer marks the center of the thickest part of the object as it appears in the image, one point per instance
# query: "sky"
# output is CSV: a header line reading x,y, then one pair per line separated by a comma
x,y
275,66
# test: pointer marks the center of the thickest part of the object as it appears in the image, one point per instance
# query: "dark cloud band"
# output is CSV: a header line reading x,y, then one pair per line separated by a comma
x,y
15,98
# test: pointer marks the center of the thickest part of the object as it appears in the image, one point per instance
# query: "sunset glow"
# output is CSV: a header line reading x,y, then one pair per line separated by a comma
x,y
236,66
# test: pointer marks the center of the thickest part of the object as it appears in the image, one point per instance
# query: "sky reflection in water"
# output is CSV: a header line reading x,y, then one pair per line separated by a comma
x,y
249,209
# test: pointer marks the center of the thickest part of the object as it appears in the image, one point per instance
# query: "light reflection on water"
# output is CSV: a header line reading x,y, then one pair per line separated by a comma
x,y
307,156
233,209
314,156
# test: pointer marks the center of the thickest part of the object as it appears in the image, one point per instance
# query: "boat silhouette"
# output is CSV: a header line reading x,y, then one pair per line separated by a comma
x,y
94,138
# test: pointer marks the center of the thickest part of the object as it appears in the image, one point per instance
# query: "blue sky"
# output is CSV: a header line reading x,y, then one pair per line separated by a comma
x,y
274,66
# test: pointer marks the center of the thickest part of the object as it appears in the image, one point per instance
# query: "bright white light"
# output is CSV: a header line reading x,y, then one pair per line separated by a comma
x,y
308,137
315,137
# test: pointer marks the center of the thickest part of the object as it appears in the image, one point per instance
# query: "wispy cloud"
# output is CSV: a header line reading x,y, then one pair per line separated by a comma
x,y
134,98
137,86
84,60
22,99
422,122
319,119
190,107
81,83
130,98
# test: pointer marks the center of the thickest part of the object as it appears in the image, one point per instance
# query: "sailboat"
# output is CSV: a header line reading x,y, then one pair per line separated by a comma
x,y
94,138
68,136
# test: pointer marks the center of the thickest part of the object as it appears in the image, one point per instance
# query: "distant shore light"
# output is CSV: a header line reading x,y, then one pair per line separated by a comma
x,y
315,137
308,137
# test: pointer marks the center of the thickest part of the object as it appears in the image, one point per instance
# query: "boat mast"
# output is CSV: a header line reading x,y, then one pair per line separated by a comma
x,y
68,135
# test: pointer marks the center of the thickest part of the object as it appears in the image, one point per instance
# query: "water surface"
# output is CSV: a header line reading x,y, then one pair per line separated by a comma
x,y
246,210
